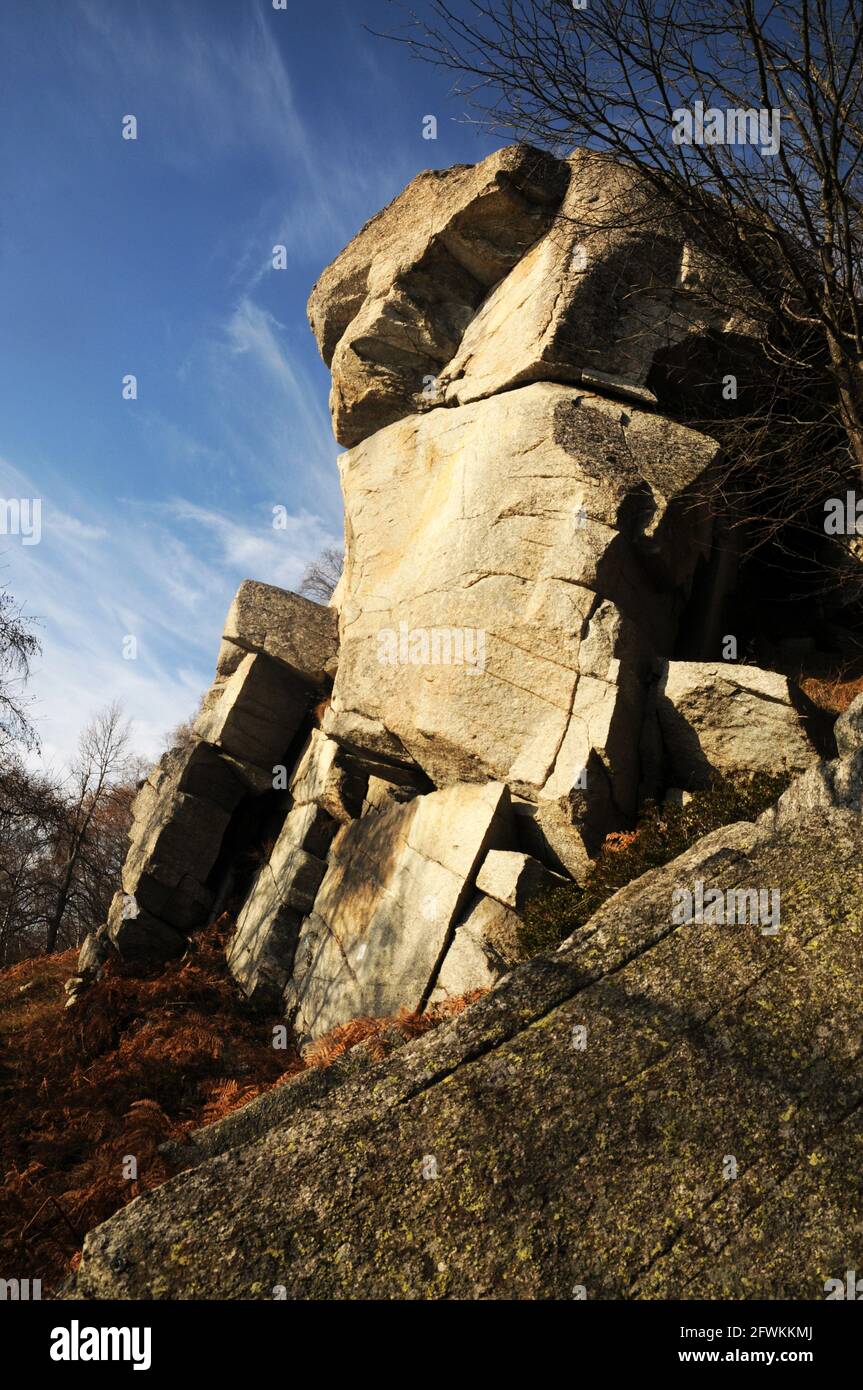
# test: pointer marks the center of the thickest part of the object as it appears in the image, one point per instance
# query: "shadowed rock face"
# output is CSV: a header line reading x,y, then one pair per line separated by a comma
x,y
535,544
667,1106
391,309
730,719
520,268
581,1125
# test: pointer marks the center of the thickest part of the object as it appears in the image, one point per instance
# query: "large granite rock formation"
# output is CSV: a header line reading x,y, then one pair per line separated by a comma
x,y
656,1110
520,268
493,688
390,311
667,1105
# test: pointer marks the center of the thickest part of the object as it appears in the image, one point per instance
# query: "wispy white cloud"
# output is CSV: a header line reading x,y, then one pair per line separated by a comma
x,y
163,573
208,89
270,414
219,88
213,95
277,550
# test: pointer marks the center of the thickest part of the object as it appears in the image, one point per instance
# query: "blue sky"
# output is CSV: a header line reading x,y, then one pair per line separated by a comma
x,y
256,126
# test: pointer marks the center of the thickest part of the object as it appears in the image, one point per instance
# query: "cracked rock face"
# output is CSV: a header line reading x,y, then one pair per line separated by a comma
x,y
382,920
510,566
390,311
517,269
261,951
609,288
849,727
273,663
559,1111
717,717
180,816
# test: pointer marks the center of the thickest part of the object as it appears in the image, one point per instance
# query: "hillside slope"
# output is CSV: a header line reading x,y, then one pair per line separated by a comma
x,y
702,1138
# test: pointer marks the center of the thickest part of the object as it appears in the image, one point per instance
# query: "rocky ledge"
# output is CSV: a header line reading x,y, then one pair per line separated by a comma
x,y
529,644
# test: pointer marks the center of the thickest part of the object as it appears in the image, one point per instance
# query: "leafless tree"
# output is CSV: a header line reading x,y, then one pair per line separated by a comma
x,y
30,809
18,646
182,735
81,871
323,574
624,78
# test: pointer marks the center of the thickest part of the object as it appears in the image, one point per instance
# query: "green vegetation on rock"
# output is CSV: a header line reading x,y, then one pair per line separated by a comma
x,y
664,832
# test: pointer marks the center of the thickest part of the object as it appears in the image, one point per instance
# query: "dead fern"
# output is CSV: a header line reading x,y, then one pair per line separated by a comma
x,y
148,1054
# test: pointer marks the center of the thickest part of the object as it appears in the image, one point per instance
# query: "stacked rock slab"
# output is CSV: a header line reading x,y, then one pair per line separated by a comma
x,y
609,289
719,718
324,793
383,919
519,268
275,659
390,311
523,533
180,816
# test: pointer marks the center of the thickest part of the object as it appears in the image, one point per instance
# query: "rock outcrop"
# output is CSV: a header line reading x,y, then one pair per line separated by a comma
x,y
383,918
376,791
718,718
391,310
609,289
849,727
274,662
520,268
658,1109
494,687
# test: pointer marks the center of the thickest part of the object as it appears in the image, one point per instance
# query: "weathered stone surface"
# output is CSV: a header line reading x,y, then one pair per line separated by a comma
x,y
566,833
179,820
605,291
833,790
277,657
395,884
139,934
371,745
192,770
848,729
497,600
265,1111
94,951
484,948
382,794
512,878
323,775
391,309
261,951
293,630
717,717
608,385
558,1164
259,710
